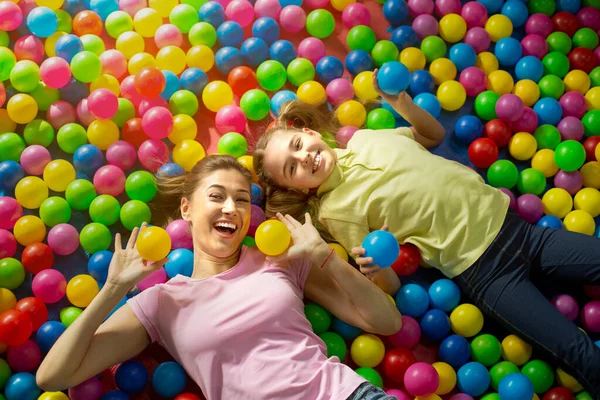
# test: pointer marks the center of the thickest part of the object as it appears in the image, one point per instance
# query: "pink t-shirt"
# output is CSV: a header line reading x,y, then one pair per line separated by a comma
x,y
242,334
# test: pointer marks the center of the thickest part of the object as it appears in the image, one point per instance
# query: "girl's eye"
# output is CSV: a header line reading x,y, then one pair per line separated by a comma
x,y
216,196
297,144
292,168
244,200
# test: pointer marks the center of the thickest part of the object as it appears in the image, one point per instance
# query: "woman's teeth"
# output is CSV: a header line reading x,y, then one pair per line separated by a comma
x,y
316,162
225,227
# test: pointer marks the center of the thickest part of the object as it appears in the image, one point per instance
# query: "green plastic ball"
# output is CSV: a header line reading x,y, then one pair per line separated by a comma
x,y
556,63
134,213
547,137
380,118
12,273
86,66
485,105
233,144
320,23
531,181
500,370
80,193
4,373
541,375
547,7
4,39
55,210
569,155
70,136
7,63
585,37
183,102
11,147
584,395
45,96
125,112
117,23
68,315
271,75
595,77
319,317
591,3
256,104
560,42
384,51
249,241
184,16
25,76
486,349
202,33
194,3
551,86
503,174
299,71
371,375
105,210
95,237
141,185
361,37
433,47
491,396
65,21
38,132
591,123
92,43
336,346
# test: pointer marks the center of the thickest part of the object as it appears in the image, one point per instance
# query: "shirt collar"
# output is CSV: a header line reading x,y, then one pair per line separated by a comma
x,y
336,177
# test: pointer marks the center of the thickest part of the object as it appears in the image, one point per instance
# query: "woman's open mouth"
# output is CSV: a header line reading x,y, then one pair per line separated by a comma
x,y
225,229
317,162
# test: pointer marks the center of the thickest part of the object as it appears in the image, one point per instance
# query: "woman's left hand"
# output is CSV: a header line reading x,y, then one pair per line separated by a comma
x,y
305,238
401,102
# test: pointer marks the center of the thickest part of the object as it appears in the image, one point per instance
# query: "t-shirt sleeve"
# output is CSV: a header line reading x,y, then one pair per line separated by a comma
x,y
300,269
349,234
405,131
145,307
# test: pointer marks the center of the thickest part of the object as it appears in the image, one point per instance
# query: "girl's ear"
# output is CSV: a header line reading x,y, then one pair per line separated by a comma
x,y
312,132
186,209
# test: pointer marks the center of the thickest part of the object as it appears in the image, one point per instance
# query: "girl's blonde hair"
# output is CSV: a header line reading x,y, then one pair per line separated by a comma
x,y
172,188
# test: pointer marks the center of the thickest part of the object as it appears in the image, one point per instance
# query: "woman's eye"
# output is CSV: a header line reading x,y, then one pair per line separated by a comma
x,y
292,168
216,196
244,200
298,144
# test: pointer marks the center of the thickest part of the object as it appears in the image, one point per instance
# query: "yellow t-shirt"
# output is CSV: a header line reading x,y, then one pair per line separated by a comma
x,y
441,206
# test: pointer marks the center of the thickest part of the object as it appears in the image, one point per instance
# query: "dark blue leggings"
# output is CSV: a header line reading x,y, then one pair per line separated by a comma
x,y
499,284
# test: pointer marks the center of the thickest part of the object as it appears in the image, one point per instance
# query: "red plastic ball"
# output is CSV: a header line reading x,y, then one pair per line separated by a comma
x,y
134,133
396,362
582,58
242,79
37,257
558,393
408,260
150,82
590,148
565,22
187,396
15,327
499,131
36,309
483,152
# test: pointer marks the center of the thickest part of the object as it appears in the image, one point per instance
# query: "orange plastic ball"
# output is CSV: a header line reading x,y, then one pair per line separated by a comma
x,y
87,23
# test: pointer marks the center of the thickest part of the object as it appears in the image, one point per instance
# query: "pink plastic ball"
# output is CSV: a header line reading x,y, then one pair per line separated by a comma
x,y
129,91
157,277
63,239
314,4
61,113
344,134
444,7
25,357
570,181
113,63
420,7
312,49
8,244
566,305
589,17
10,212
421,379
425,25
534,45
539,24
103,103
168,35
571,128
513,200
84,115
34,159
475,14
573,104
110,180
230,118
478,38
257,217
10,16
87,390
181,236
473,80
267,8
157,122
49,286
147,104
409,335
510,107
121,154
356,14
55,72
292,19
240,11
590,316
339,90
527,123
26,7
29,48
399,394
132,6
153,153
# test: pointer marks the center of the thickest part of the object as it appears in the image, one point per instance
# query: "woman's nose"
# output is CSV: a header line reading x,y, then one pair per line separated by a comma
x,y
229,206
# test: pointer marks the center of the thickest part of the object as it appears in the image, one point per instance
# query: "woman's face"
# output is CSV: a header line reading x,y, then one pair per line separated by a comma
x,y
219,213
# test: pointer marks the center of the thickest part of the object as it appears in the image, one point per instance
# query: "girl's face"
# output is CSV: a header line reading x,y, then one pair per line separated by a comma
x,y
219,213
299,159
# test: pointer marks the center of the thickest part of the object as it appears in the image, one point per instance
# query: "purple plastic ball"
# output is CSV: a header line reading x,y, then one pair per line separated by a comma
x,y
510,108
530,208
570,181
566,305
571,128
534,45
425,25
589,17
478,39
573,104
527,123
474,14
590,316
513,201
539,24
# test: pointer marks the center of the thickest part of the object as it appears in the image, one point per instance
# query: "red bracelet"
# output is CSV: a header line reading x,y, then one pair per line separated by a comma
x,y
327,259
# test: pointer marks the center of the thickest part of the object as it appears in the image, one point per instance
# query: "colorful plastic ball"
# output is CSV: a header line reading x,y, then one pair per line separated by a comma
x,y
230,119
483,152
98,265
486,349
592,98
58,174
498,26
583,59
95,237
271,75
435,325
500,82
396,362
267,29
548,110
367,350
55,210
233,144
212,13
31,192
393,78
509,107
49,285
452,28
590,316
216,95
42,22
528,91
508,51
487,62
272,237
452,95
540,374
133,214
466,320
543,161
590,120
361,38
585,37
188,153
33,160
351,113
463,56
425,25
319,317
421,81
429,103
384,51
516,11
63,239
569,155
320,23
577,81
81,290
485,105
478,39
87,159
36,257
255,104
230,33
357,14
105,209
356,62
282,51
404,36
589,17
503,173
11,16
169,379
131,377
8,244
468,128
421,379
580,221
531,181
473,379
573,104
329,68
157,122
455,351
254,51
22,386
12,273
412,300
292,18
55,72
474,13
474,81
22,108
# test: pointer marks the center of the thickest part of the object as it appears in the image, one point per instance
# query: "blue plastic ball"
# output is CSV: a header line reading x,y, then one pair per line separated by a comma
x,y
435,325
254,51
492,6
98,265
508,50
393,77
227,58
212,13
131,377
114,395
444,294
87,159
550,221
455,351
382,246
42,22
11,173
329,68
48,334
181,261
267,29
571,6
395,12
516,11
282,51
171,84
74,91
171,169
404,36
280,98
515,386
429,103
473,379
468,128
74,6
462,55
347,331
358,61
169,379
285,3
230,33
194,80
412,300
67,46
258,193
549,111
421,81
22,386
104,7
529,67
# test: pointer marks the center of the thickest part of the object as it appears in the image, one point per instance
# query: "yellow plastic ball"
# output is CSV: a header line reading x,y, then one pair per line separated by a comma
x,y
146,21
590,173
200,56
447,377
217,94
500,82
522,146
452,95
528,91
130,44
466,320
340,5
363,86
442,70
488,62
272,237
53,396
351,113
102,133
592,98
498,26
452,28
311,92
58,174
557,202
577,81
171,58
580,221
7,300
184,128
516,350
248,163
367,350
50,43
567,381
51,4
188,153
413,58
31,192
6,124
22,108
29,229
163,7
544,162
139,61
81,290
339,250
588,200
597,153
153,243
106,81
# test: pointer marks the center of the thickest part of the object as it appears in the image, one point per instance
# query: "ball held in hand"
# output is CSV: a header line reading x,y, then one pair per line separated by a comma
x,y
382,246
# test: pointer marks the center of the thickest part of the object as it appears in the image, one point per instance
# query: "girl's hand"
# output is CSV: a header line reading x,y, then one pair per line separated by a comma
x,y
401,103
366,263
305,238
127,267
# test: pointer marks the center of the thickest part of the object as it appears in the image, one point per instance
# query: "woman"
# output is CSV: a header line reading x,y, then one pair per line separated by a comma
x,y
237,325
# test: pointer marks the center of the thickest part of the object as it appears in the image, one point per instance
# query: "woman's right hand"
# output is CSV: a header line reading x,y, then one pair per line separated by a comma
x,y
127,267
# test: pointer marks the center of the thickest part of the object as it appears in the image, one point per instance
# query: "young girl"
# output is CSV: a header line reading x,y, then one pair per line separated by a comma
x,y
462,226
